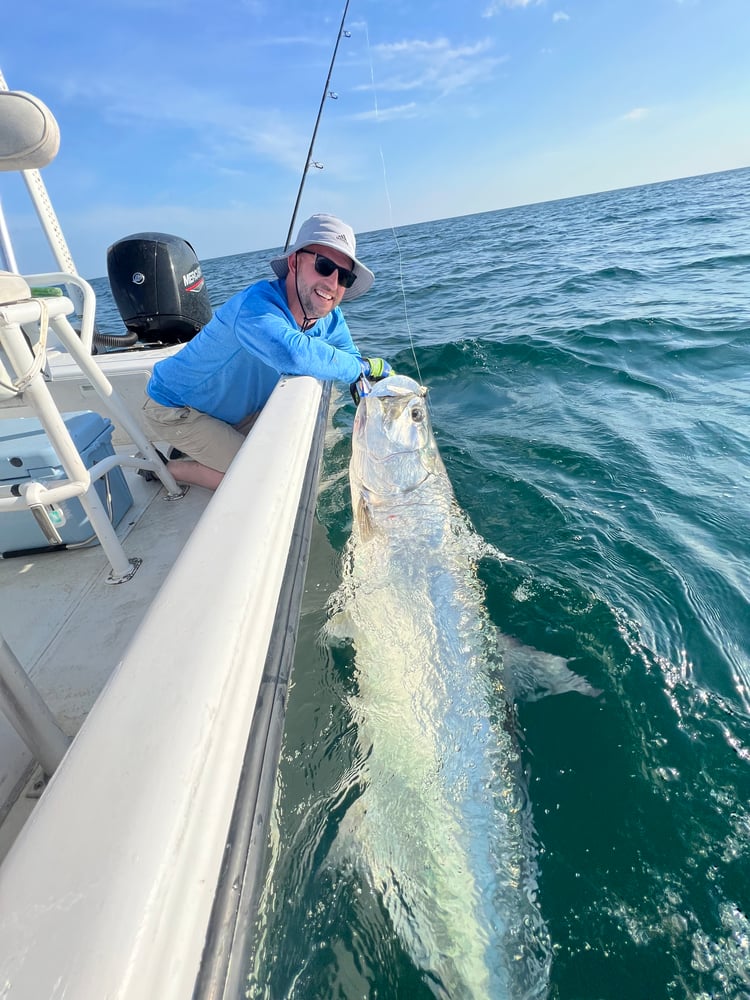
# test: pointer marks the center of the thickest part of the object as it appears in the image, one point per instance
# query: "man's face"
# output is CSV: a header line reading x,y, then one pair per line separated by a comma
x,y
318,294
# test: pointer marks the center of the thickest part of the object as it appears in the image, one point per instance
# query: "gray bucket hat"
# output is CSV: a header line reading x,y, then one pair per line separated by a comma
x,y
328,231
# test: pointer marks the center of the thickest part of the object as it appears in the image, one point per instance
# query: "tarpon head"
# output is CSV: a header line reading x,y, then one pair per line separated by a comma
x,y
393,446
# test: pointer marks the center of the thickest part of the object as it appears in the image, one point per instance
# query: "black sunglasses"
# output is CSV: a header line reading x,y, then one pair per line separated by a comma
x,y
325,267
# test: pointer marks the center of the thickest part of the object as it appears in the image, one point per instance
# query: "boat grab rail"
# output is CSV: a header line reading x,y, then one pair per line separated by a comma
x,y
36,492
87,297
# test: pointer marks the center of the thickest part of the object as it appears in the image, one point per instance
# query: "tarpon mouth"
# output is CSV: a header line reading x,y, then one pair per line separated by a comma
x,y
397,385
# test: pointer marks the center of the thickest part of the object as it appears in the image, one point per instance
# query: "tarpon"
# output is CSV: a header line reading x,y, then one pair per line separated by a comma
x,y
442,823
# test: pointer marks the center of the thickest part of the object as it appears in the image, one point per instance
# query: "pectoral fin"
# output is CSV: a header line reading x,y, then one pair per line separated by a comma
x,y
532,674
364,520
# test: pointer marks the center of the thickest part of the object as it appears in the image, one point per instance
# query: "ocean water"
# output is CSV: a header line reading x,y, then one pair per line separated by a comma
x,y
587,362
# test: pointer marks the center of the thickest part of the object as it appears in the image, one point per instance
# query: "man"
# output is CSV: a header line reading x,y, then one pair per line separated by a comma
x,y
204,399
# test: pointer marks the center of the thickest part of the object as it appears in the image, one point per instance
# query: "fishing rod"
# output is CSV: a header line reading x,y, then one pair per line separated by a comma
x,y
309,160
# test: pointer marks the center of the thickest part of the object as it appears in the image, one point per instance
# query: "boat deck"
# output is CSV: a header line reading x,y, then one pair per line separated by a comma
x,y
69,628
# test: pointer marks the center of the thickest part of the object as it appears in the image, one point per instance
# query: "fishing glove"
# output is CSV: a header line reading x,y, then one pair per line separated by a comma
x,y
376,368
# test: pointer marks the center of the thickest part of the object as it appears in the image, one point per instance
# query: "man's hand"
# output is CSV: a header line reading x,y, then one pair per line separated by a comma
x,y
377,368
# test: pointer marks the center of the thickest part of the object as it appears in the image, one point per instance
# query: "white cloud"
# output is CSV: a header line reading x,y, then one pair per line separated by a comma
x,y
560,15
388,114
441,47
636,115
287,40
435,66
497,5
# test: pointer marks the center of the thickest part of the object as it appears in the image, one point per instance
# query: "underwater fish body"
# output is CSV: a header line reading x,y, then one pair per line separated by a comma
x,y
442,825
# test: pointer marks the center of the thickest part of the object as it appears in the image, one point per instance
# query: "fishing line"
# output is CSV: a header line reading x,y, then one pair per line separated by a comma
x,y
390,206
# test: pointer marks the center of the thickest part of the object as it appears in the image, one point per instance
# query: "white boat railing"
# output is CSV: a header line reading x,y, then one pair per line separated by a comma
x,y
119,879
224,964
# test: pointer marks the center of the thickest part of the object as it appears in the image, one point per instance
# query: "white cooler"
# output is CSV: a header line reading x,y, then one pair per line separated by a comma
x,y
26,455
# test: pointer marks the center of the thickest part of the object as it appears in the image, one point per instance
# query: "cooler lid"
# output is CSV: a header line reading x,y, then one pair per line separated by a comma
x,y
25,447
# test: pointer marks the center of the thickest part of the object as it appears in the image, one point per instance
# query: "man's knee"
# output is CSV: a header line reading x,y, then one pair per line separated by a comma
x,y
204,438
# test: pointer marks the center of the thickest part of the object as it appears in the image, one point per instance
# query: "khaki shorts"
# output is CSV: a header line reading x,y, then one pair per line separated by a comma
x,y
205,439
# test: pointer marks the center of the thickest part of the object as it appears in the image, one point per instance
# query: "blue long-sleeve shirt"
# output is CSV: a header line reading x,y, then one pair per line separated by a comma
x,y
230,368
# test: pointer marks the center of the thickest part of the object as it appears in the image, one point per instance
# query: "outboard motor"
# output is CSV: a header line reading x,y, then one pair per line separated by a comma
x,y
158,285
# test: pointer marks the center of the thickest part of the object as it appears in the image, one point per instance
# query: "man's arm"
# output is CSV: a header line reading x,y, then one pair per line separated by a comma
x,y
280,344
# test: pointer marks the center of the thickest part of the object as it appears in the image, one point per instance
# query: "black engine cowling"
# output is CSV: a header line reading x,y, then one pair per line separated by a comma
x,y
158,285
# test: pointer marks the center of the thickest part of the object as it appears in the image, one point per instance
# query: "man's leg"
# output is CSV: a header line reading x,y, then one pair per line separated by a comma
x,y
195,473
210,443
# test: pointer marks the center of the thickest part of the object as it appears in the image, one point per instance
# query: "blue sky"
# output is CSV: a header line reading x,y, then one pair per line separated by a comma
x,y
194,118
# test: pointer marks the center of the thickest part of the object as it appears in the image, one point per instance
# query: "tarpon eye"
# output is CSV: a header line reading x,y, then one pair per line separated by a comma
x,y
417,414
